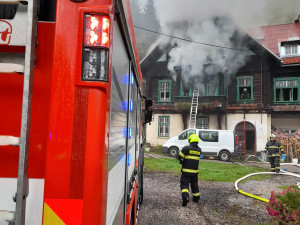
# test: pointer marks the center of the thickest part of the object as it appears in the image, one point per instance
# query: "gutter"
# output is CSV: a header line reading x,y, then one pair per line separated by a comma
x,y
289,65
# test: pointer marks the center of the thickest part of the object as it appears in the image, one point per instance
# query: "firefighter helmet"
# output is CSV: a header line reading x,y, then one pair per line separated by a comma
x,y
193,138
272,136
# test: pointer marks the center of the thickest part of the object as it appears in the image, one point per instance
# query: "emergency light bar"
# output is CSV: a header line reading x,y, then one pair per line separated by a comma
x,y
96,42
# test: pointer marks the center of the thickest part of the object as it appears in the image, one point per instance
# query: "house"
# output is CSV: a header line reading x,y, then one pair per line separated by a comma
x,y
260,96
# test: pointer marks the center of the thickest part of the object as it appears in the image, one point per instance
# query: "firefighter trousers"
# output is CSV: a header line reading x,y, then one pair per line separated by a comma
x,y
184,186
275,163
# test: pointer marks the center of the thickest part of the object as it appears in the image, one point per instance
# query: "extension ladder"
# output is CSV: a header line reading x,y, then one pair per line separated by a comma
x,y
19,31
194,108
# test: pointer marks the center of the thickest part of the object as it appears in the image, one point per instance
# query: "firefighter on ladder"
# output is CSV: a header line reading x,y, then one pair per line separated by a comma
x,y
189,158
274,149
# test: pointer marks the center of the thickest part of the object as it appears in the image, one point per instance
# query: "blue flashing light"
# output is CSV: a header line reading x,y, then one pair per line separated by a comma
x,y
129,136
125,79
131,79
130,105
124,105
128,159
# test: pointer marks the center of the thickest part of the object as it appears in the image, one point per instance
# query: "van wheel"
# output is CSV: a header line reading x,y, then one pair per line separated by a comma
x,y
173,151
224,156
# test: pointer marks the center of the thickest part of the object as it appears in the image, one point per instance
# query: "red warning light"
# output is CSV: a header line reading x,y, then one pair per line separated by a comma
x,y
96,29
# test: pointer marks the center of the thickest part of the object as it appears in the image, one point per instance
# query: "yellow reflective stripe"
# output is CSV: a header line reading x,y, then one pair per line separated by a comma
x,y
192,157
181,154
272,168
196,194
277,167
266,147
185,190
189,171
194,152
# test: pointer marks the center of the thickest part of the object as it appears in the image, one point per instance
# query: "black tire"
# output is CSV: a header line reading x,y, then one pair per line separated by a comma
x,y
224,156
173,151
141,196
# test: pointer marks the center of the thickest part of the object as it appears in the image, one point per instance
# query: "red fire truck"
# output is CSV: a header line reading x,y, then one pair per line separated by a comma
x,y
70,113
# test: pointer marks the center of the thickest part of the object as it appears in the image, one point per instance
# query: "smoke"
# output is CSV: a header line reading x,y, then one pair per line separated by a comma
x,y
215,22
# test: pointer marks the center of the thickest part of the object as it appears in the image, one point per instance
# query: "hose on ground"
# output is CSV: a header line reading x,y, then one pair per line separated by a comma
x,y
252,174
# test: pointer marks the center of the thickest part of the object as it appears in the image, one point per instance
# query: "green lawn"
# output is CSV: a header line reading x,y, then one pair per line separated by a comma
x,y
208,171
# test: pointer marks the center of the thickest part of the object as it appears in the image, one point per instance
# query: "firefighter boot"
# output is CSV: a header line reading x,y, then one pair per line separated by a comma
x,y
277,170
185,199
196,199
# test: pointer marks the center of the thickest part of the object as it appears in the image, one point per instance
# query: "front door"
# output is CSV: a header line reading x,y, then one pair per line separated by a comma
x,y
246,138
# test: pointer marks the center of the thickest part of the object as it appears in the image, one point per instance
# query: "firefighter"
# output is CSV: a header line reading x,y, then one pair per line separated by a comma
x,y
274,149
245,94
189,158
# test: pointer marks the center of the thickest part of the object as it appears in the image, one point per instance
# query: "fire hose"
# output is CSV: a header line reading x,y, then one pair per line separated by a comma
x,y
252,174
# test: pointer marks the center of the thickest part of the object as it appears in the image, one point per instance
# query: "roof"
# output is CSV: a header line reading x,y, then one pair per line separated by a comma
x,y
271,36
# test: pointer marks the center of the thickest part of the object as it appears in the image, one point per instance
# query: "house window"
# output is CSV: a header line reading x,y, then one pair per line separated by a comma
x,y
291,49
202,122
245,89
185,91
164,91
215,85
163,126
286,89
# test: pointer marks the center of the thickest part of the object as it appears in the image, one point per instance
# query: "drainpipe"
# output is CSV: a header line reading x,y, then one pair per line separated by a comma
x,y
244,134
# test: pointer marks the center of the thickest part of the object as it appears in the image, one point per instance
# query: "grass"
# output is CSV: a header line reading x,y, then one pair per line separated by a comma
x,y
286,186
208,171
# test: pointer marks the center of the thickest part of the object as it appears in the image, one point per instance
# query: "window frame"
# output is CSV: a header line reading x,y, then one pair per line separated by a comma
x,y
181,91
238,88
291,46
202,117
285,79
168,124
159,89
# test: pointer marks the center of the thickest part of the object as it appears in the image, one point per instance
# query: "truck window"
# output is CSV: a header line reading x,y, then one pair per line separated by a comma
x,y
186,134
209,136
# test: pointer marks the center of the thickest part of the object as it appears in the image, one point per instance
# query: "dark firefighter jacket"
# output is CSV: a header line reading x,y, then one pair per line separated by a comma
x,y
189,158
274,148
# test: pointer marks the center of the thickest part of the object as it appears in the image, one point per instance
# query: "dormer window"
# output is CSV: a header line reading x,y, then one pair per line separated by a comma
x,y
291,49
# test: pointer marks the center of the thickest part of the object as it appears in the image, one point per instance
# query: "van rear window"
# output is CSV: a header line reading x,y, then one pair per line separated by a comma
x,y
209,136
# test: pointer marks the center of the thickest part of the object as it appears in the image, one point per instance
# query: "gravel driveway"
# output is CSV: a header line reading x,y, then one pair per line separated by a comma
x,y
219,203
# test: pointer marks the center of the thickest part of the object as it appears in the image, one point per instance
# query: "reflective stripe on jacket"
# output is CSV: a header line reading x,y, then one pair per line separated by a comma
x,y
190,156
274,148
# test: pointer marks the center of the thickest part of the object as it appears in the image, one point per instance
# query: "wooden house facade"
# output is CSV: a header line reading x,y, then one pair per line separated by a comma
x,y
262,95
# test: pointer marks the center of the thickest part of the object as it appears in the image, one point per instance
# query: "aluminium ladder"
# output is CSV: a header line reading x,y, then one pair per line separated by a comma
x,y
20,31
194,108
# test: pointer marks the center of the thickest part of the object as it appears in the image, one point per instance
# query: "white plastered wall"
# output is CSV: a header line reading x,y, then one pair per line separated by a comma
x,y
262,123
176,126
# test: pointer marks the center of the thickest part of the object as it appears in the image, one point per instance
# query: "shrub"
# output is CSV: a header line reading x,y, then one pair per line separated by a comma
x,y
285,206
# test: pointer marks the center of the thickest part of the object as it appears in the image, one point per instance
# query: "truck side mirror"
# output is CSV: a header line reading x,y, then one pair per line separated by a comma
x,y
148,115
148,110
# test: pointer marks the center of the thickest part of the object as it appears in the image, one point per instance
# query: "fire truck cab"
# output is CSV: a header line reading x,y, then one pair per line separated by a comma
x,y
70,114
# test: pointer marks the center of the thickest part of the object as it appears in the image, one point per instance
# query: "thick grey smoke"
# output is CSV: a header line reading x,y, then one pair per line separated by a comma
x,y
216,22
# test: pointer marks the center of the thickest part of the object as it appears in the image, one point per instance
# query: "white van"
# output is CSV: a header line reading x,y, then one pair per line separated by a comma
x,y
218,143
